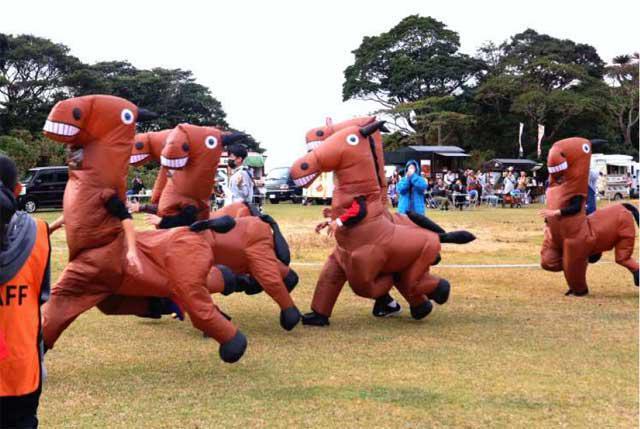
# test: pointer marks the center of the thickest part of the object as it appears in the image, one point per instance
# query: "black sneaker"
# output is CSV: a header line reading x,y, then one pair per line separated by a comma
x,y
386,306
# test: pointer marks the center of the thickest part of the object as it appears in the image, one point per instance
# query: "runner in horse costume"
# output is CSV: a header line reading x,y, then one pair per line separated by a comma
x,y
147,147
254,247
332,278
106,257
571,237
372,253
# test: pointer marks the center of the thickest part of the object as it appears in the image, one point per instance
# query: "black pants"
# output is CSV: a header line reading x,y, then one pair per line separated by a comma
x,y
19,412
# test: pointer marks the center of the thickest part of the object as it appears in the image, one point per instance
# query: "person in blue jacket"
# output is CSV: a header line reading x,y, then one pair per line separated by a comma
x,y
411,189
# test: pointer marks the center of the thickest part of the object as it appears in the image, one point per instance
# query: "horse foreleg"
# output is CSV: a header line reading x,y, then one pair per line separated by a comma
x,y
550,255
574,266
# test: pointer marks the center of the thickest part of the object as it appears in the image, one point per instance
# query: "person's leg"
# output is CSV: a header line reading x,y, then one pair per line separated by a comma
x,y
328,287
20,412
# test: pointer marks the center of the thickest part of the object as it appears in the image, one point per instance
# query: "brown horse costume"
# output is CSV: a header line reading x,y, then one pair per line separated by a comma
x,y
373,252
255,246
147,147
102,128
571,236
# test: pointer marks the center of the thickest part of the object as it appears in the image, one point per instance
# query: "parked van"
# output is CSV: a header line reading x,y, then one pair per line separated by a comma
x,y
43,187
615,171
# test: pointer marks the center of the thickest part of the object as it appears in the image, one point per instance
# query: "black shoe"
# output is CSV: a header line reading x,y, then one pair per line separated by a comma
x,y
595,258
441,294
386,306
574,293
421,311
315,319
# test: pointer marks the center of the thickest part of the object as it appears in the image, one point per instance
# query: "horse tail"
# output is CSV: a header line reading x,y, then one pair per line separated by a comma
x,y
425,222
633,209
280,244
457,237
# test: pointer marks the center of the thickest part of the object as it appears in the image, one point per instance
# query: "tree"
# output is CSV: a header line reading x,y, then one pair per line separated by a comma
x,y
415,60
537,79
32,70
622,100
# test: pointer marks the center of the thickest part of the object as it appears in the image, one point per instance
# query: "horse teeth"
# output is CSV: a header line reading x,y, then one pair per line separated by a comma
x,y
60,128
174,163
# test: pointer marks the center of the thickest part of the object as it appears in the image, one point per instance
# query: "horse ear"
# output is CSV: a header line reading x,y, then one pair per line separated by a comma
x,y
597,145
328,121
146,115
231,138
371,128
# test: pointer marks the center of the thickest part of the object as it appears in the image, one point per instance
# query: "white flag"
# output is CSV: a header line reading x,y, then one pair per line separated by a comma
x,y
521,151
540,136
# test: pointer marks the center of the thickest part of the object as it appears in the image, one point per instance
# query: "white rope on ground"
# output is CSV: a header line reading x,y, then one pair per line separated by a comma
x,y
471,266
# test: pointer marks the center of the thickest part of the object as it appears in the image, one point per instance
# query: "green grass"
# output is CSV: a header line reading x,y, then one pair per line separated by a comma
x,y
508,350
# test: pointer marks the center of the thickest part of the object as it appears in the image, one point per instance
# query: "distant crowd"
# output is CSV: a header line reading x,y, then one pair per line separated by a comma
x,y
414,191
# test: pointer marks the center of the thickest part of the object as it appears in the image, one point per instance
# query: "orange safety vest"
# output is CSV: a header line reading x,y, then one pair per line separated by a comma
x,y
20,320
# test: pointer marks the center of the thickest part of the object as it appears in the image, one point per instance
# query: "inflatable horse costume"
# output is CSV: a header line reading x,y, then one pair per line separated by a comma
x,y
373,252
571,237
102,128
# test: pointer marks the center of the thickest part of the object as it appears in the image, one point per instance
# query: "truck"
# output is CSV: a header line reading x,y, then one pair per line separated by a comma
x,y
320,191
616,171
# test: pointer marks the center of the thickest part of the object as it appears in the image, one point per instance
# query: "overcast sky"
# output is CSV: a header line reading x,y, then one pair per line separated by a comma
x,y
277,67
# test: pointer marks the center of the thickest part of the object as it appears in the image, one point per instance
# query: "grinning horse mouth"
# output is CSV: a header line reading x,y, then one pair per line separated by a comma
x,y
313,145
558,168
174,163
60,129
134,159
305,180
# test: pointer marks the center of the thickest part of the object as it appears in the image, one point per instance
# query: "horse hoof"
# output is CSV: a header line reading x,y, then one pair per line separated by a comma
x,y
595,258
252,287
635,277
315,319
289,318
438,259
421,311
230,282
291,280
232,350
441,294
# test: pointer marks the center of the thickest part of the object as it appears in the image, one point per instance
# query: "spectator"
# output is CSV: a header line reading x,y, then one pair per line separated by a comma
x,y
24,274
592,191
137,185
392,193
473,187
411,190
241,182
509,185
440,194
449,178
459,194
523,182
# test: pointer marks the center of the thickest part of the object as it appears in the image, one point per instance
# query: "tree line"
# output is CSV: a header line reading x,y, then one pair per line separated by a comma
x,y
436,94
36,72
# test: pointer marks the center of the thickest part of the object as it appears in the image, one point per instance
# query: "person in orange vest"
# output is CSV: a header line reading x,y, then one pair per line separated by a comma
x,y
24,287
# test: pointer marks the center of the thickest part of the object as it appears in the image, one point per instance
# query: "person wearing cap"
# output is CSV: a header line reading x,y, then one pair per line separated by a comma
x,y
25,253
241,182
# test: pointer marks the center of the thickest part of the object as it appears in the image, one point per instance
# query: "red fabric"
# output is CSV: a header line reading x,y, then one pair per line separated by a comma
x,y
351,212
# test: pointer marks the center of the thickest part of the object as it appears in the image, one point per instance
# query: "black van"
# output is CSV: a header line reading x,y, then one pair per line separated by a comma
x,y
43,187
280,186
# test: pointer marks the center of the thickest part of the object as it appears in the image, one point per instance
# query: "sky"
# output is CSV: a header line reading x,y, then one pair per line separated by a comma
x,y
277,67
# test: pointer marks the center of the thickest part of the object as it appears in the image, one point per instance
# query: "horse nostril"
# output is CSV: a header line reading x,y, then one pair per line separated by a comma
x,y
139,145
304,166
77,113
319,133
185,147
563,155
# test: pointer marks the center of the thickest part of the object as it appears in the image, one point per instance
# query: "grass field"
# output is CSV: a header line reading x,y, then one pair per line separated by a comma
x,y
508,350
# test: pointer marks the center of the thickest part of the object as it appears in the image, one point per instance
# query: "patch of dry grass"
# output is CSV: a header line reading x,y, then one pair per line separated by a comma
x,y
508,350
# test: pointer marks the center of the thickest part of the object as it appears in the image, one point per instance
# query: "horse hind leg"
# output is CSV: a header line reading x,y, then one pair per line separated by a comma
x,y
624,256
